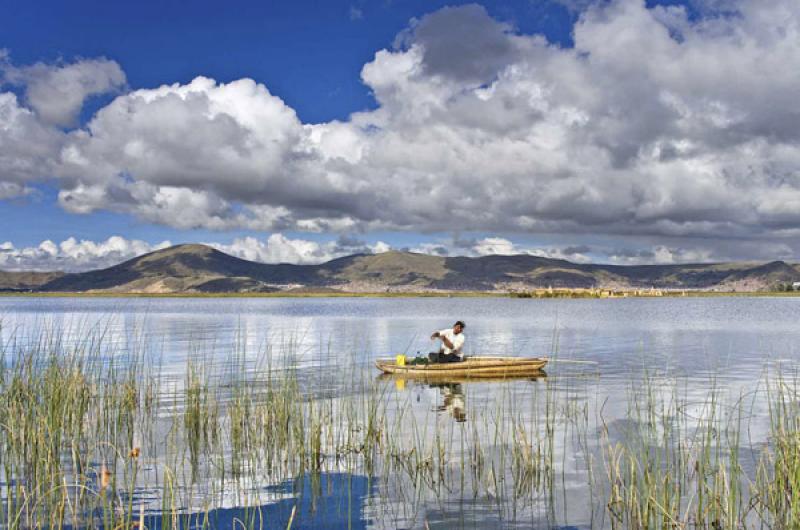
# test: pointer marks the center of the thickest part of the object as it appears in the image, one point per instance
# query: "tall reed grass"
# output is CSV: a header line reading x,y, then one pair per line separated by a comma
x,y
92,437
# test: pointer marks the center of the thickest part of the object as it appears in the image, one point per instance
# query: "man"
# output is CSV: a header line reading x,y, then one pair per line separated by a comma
x,y
452,344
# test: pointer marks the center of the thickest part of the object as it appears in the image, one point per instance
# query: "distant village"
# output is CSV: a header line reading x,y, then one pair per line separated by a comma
x,y
551,292
651,292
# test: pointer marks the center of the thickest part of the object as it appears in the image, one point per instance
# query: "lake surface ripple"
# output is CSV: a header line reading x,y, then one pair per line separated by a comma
x,y
391,453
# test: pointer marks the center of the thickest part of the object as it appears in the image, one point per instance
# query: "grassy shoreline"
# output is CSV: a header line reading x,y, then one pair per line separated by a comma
x,y
471,294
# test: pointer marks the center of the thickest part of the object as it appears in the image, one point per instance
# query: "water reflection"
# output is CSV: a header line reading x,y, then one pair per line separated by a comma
x,y
453,401
452,390
519,452
324,501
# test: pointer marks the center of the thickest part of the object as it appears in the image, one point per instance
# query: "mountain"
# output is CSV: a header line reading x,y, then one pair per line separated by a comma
x,y
202,269
26,281
182,268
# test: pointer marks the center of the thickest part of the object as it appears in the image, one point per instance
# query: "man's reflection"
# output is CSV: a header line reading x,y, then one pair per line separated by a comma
x,y
453,400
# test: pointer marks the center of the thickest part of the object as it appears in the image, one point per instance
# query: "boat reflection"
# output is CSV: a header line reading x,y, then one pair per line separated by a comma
x,y
451,389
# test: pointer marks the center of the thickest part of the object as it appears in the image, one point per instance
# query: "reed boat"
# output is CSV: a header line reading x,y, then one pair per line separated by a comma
x,y
471,367
446,379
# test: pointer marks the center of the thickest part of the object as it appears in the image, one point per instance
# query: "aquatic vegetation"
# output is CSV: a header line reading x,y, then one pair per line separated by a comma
x,y
777,487
95,437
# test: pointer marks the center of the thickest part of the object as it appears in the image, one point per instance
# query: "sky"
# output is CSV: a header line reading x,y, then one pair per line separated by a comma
x,y
613,131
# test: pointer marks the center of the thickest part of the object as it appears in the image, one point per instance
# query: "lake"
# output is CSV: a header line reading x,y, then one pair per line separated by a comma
x,y
544,452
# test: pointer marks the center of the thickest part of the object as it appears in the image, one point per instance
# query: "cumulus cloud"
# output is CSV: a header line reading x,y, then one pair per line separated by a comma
x,y
57,91
462,43
281,249
72,255
641,254
659,255
494,245
187,155
653,124
656,124
501,246
27,148
695,253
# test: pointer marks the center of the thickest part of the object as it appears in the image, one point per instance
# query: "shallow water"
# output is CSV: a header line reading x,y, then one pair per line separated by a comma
x,y
686,346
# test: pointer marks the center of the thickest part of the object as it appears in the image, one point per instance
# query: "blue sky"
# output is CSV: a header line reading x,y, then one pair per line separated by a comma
x,y
309,53
325,61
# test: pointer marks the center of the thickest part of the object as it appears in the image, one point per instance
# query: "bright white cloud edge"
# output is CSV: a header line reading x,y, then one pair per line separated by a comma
x,y
73,255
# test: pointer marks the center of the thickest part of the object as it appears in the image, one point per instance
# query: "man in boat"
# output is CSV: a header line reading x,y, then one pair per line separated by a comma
x,y
452,344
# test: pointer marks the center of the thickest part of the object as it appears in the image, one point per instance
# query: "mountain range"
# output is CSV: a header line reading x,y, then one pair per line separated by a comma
x,y
196,268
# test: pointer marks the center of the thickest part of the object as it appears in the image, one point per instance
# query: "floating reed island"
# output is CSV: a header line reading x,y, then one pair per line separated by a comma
x,y
592,292
95,437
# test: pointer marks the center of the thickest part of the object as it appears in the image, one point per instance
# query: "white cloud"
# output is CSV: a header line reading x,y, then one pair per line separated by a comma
x,y
656,125
495,245
72,255
356,13
709,253
57,91
181,154
489,246
10,190
660,255
281,249
27,148
276,249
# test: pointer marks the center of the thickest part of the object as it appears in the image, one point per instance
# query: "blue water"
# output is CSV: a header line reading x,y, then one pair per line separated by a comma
x,y
729,336
724,342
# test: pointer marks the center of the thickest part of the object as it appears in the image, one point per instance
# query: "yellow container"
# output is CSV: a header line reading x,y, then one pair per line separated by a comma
x,y
400,360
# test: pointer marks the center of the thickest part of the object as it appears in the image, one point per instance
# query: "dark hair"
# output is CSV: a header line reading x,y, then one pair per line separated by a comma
x,y
460,323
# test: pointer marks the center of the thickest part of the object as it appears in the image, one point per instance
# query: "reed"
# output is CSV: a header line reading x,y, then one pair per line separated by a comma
x,y
95,437
777,486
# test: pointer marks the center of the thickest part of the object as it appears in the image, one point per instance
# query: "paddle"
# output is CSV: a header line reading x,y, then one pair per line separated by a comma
x,y
569,361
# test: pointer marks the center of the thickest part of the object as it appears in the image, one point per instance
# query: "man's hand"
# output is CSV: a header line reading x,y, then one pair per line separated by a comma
x,y
435,335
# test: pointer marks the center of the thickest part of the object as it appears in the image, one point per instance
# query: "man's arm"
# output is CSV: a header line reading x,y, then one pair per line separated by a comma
x,y
443,338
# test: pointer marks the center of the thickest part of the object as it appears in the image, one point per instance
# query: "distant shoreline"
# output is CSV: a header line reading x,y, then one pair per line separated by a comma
x,y
461,294
201,271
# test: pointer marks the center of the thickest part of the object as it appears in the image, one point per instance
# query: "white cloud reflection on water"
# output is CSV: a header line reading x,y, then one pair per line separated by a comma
x,y
686,346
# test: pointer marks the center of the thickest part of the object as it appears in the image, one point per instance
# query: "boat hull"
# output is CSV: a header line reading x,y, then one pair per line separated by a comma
x,y
473,367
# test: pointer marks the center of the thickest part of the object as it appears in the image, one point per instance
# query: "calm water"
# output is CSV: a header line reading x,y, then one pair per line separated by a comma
x,y
685,342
